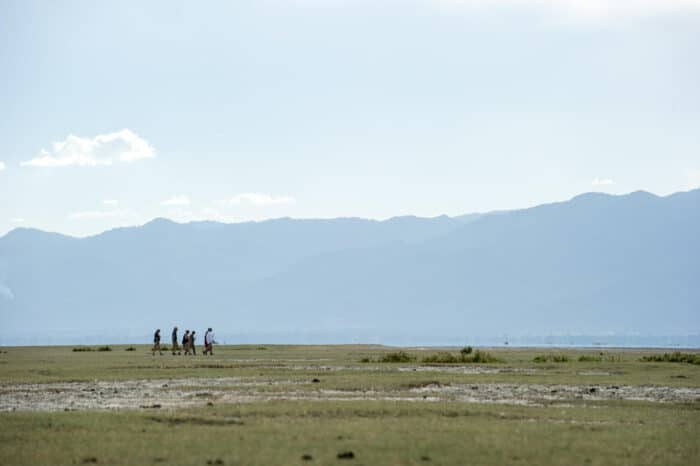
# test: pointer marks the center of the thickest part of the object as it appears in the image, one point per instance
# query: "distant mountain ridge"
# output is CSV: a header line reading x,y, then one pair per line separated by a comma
x,y
594,264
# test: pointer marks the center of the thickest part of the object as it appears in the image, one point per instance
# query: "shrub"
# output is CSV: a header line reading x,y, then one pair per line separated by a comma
x,y
130,348
676,356
397,356
104,348
477,357
551,358
82,349
466,350
442,357
590,359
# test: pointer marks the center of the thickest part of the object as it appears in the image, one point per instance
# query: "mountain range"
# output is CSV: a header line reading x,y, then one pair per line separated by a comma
x,y
597,264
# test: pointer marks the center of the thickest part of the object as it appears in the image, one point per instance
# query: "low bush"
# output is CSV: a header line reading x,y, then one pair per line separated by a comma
x,y
104,348
551,358
590,358
397,356
477,357
82,349
676,356
130,348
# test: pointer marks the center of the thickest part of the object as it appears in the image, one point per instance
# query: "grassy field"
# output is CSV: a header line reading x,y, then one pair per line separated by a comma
x,y
321,405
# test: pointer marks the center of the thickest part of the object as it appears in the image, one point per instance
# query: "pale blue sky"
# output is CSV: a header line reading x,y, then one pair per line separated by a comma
x,y
324,108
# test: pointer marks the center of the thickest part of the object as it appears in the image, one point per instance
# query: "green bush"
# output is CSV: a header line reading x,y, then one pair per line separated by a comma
x,y
397,356
477,357
590,359
104,348
442,357
466,350
676,356
551,358
130,348
82,349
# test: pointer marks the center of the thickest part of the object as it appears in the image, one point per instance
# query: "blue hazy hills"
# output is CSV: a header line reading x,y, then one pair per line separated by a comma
x,y
596,264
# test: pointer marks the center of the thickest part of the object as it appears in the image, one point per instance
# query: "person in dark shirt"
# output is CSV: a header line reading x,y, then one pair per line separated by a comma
x,y
175,347
186,343
156,343
192,347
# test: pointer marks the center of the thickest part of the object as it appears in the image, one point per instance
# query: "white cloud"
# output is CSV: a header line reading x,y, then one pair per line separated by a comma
x,y
111,202
100,214
178,200
103,149
258,199
592,9
2,166
602,182
16,220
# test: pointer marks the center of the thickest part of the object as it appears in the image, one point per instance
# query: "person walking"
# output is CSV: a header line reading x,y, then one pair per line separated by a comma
x,y
186,343
175,347
192,341
156,343
209,342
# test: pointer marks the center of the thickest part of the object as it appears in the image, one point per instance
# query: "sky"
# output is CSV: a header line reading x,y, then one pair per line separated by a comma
x,y
115,113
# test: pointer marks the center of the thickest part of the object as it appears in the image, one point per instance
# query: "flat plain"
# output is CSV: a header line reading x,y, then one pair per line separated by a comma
x,y
273,404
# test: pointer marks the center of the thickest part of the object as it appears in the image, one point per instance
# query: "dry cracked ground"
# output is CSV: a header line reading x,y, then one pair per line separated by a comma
x,y
183,392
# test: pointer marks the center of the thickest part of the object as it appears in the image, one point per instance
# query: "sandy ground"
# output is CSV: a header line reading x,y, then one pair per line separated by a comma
x,y
172,393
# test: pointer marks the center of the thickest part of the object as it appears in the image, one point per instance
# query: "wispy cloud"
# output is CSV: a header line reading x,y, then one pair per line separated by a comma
x,y
2,166
590,9
602,182
100,214
177,200
258,199
103,149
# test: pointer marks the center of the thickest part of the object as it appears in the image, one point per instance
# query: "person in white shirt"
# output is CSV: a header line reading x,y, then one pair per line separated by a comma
x,y
209,342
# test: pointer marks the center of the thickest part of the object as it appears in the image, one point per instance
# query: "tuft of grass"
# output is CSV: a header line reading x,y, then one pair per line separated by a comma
x,y
477,357
551,358
676,356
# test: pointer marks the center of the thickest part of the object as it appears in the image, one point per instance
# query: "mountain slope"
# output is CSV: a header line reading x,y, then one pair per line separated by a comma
x,y
594,264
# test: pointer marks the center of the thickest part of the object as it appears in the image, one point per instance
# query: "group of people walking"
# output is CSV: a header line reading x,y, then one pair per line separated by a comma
x,y
188,342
